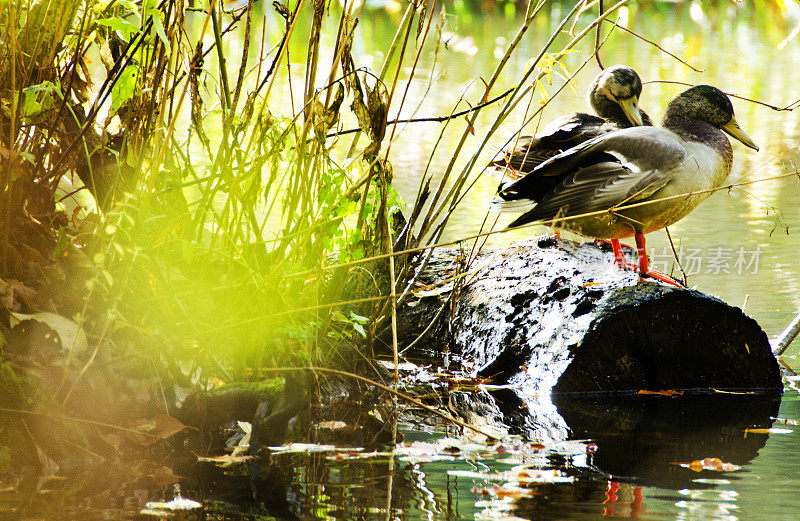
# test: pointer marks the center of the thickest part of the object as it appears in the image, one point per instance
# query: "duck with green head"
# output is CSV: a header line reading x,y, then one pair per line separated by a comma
x,y
664,173
613,95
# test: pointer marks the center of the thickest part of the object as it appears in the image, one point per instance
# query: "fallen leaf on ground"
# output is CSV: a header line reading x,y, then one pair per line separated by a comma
x,y
524,475
226,460
73,337
244,442
342,456
305,447
179,503
333,425
513,492
161,426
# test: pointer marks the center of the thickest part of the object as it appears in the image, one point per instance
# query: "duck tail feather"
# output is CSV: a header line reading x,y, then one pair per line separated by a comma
x,y
511,206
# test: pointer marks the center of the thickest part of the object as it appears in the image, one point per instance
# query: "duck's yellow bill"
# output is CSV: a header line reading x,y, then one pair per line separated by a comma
x,y
630,106
733,129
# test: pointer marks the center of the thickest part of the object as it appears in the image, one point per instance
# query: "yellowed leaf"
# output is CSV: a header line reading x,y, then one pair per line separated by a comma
x,y
714,464
226,460
161,426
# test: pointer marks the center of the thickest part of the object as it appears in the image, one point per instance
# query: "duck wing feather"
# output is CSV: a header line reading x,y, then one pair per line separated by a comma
x,y
616,168
557,136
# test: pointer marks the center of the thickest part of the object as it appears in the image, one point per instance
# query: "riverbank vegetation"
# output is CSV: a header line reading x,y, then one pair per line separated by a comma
x,y
174,218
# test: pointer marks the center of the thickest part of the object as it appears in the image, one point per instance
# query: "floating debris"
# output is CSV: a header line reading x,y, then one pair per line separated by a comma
x,y
309,447
225,460
177,504
773,430
714,464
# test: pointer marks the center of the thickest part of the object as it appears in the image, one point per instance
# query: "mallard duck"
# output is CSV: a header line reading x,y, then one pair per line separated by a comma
x,y
613,95
688,154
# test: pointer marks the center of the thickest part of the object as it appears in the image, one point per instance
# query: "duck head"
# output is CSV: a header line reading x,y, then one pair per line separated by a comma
x,y
617,87
711,105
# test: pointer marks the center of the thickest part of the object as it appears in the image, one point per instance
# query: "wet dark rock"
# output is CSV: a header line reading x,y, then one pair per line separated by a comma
x,y
547,242
585,305
268,404
561,294
552,315
287,408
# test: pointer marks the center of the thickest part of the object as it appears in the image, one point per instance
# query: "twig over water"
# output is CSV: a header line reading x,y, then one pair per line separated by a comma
x,y
438,119
790,107
653,44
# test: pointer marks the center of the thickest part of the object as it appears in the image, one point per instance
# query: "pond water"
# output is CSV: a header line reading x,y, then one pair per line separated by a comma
x,y
654,458
630,467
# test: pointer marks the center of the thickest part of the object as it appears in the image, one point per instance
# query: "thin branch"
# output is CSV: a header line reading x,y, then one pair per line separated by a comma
x,y
597,38
677,260
437,119
655,45
786,336
790,107
83,420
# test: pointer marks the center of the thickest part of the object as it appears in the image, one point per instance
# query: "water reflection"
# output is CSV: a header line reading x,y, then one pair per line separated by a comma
x,y
641,438
624,462
621,463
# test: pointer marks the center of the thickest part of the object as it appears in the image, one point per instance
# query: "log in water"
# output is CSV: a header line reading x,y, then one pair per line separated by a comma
x,y
557,316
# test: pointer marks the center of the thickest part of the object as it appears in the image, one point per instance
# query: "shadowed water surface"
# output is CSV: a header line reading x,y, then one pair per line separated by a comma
x,y
628,457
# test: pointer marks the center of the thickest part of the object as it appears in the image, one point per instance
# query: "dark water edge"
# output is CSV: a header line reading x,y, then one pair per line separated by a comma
x,y
619,457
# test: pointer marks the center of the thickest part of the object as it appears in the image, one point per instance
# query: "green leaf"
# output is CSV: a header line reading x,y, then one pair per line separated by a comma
x,y
124,88
119,24
62,244
358,318
132,7
39,98
159,26
360,329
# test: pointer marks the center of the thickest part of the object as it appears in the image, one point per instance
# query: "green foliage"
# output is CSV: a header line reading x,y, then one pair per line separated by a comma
x,y
124,88
38,99
152,12
350,321
222,204
13,386
123,26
